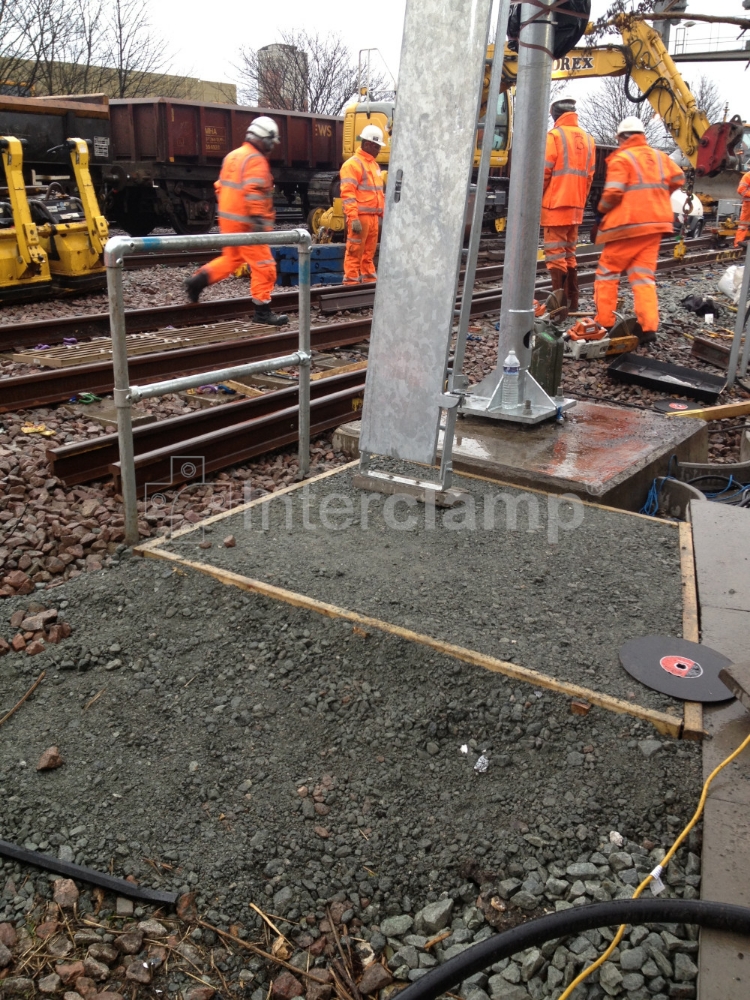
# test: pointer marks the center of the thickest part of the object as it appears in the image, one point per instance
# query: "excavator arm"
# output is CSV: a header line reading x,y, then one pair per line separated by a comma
x,y
643,57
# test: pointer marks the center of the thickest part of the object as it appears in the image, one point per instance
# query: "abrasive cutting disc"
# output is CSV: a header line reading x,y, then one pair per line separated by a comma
x,y
676,405
676,667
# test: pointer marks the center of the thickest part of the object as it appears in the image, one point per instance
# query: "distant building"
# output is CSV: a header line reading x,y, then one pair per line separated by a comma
x,y
282,77
70,79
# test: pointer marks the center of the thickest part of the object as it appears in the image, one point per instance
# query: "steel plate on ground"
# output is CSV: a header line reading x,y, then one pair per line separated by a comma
x,y
428,179
682,669
660,375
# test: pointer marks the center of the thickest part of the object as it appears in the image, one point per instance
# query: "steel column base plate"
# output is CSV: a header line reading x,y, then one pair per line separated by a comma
x,y
536,406
421,490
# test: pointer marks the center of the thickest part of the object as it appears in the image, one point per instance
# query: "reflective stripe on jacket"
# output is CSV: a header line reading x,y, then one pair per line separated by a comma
x,y
245,191
569,163
635,200
361,186
744,189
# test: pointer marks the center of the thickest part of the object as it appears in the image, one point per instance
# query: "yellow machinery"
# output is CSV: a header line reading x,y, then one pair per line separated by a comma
x,y
642,56
72,230
325,223
24,268
52,240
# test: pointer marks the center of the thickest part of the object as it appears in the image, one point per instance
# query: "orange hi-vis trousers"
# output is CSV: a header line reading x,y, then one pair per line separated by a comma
x,y
560,247
636,256
262,269
359,263
743,229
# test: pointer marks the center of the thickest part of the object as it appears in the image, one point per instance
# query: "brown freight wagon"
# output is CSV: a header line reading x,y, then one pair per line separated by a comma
x,y
166,155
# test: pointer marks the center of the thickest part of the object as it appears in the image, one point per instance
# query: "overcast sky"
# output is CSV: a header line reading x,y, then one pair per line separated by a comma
x,y
207,46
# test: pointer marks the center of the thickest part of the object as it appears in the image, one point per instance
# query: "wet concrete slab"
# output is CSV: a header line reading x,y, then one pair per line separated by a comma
x,y
522,576
610,454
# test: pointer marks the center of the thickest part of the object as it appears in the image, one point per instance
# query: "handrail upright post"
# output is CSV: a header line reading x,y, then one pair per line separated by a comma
x,y
114,263
304,251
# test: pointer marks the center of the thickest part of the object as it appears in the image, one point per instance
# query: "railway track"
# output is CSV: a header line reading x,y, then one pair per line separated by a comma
x,y
57,385
328,298
241,430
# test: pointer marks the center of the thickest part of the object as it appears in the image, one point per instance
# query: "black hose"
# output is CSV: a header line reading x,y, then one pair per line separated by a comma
x,y
716,916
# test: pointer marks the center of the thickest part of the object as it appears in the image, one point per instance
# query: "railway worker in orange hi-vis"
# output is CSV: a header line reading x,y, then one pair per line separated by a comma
x,y
569,163
245,196
363,201
636,211
743,229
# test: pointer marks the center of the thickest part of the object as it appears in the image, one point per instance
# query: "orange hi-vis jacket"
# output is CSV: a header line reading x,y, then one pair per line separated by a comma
x,y
569,163
245,192
635,200
744,189
361,186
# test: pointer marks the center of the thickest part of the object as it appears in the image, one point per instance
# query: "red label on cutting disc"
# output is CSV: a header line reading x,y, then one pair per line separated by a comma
x,y
681,666
678,406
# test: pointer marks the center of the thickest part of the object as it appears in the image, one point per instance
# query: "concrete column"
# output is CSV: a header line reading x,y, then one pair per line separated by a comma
x,y
526,179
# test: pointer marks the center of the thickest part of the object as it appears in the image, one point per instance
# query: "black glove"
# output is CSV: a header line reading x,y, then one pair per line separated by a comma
x,y
598,216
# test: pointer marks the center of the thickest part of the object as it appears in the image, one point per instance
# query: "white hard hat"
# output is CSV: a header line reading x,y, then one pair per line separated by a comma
x,y
371,133
630,124
564,103
264,128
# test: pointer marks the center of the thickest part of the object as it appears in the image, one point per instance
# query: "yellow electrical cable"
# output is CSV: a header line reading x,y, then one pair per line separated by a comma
x,y
665,861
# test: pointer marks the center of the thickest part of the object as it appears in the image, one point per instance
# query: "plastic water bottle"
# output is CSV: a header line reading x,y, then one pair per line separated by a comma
x,y
511,380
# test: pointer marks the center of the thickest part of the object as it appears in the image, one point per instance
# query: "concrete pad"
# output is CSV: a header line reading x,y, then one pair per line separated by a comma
x,y
723,560
610,454
721,539
726,630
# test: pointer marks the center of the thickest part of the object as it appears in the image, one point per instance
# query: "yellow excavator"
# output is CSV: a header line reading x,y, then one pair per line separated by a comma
x,y
642,57
54,241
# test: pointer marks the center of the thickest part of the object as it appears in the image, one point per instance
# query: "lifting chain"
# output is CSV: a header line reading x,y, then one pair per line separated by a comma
x,y
687,208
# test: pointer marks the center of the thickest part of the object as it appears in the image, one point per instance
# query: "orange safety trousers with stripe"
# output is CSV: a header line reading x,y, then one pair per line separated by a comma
x,y
359,259
637,256
560,248
245,197
743,229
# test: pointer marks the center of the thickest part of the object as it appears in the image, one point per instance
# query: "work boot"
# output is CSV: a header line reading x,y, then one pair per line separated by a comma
x,y
644,336
559,310
195,285
264,314
558,278
629,326
571,288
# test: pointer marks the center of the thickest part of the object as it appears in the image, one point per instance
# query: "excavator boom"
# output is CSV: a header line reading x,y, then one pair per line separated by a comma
x,y
643,57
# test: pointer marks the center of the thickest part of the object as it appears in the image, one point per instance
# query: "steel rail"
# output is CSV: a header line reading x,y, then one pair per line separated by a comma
x,y
83,461
161,469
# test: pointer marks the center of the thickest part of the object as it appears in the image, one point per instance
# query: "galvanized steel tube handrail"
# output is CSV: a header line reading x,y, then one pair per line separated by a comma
x,y
139,392
119,247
